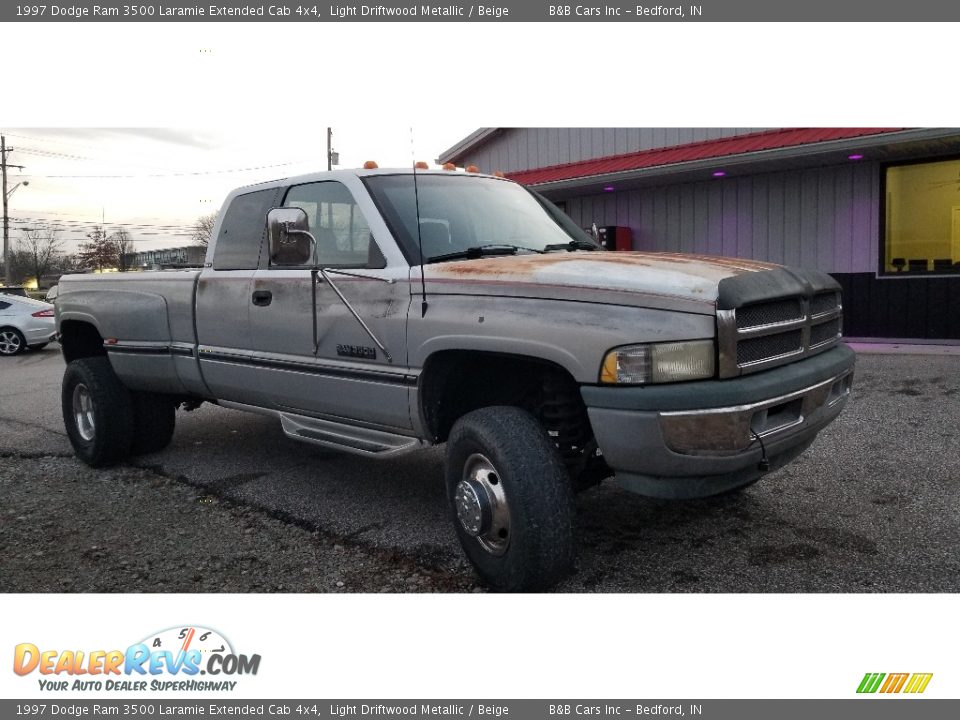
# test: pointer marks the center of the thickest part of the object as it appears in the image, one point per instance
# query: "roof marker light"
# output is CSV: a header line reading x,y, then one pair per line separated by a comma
x,y
472,169
609,188
370,165
498,174
449,166
421,165
855,156
720,173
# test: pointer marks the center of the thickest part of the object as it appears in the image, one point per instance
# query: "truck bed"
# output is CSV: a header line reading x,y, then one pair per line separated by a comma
x,y
146,320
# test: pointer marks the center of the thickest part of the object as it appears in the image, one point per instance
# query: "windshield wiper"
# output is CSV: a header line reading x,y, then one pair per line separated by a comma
x,y
571,246
472,253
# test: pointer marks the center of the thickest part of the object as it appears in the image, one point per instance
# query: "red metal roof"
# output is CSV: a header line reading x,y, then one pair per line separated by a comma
x,y
704,149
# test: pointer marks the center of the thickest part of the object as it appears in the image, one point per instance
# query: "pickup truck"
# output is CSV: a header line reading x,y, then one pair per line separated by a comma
x,y
380,311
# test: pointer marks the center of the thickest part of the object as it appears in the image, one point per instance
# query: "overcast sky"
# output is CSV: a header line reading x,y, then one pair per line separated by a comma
x,y
156,182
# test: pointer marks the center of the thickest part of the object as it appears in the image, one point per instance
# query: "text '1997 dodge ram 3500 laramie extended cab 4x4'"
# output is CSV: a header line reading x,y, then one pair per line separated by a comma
x,y
380,311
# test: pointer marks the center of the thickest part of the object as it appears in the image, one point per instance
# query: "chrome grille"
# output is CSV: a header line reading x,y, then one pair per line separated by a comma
x,y
824,332
774,331
769,346
824,302
768,313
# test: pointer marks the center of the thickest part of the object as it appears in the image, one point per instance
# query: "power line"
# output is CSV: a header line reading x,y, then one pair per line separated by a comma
x,y
86,230
51,140
50,154
87,221
43,152
74,215
167,175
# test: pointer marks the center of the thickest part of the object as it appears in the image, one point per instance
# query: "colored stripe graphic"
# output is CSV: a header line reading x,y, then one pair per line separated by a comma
x,y
870,682
894,683
918,683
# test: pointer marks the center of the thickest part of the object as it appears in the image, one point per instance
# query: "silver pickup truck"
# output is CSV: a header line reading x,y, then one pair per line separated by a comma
x,y
381,311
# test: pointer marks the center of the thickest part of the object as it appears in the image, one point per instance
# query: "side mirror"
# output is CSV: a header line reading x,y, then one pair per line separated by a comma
x,y
288,235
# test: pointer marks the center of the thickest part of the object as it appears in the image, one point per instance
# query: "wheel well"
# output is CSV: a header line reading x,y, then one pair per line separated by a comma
x,y
79,340
456,382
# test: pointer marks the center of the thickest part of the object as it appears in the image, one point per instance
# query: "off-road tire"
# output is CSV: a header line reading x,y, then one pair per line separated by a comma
x,y
112,411
540,550
155,417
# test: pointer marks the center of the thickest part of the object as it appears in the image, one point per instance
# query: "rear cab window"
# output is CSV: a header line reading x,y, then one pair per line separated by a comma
x,y
243,230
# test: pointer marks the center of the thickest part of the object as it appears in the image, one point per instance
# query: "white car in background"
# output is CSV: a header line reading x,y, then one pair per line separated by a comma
x,y
25,322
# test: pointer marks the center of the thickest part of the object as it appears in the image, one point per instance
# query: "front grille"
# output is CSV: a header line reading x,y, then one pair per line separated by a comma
x,y
773,331
769,346
824,302
824,332
769,313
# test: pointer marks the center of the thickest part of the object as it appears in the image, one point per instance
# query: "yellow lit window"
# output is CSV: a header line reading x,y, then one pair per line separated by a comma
x,y
923,218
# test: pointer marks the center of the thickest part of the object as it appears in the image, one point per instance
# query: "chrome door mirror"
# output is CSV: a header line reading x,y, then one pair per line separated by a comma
x,y
288,234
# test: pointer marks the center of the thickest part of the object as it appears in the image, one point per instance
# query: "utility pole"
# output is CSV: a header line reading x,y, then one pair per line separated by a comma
x,y
329,149
333,157
6,218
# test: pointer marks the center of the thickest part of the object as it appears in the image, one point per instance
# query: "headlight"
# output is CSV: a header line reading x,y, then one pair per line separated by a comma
x,y
659,363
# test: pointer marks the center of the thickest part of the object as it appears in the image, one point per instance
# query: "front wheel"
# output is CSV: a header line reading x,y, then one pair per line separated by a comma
x,y
511,499
97,412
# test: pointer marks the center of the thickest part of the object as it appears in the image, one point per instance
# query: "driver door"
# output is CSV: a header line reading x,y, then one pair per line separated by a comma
x,y
345,376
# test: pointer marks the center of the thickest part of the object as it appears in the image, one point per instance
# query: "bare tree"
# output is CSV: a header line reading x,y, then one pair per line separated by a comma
x,y
123,247
39,250
99,253
203,229
19,265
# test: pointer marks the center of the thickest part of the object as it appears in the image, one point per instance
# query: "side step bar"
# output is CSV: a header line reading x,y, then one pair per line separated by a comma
x,y
336,435
359,440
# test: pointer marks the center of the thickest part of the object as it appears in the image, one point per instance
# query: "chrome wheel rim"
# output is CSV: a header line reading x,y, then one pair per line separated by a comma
x,y
481,505
9,342
83,412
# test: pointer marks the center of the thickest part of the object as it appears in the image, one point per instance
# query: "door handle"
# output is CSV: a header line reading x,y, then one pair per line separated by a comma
x,y
262,297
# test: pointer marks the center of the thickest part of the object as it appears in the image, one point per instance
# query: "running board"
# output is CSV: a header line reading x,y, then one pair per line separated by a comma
x,y
359,440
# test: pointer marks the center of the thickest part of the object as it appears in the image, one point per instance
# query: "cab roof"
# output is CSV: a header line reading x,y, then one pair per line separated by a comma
x,y
361,173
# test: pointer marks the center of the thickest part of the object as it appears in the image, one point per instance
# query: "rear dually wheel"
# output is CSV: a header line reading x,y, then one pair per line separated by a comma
x,y
98,412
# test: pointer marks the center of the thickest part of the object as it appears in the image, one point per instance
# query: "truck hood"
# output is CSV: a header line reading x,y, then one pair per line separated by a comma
x,y
687,283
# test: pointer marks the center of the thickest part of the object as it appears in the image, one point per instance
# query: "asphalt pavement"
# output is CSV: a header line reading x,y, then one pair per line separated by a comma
x,y
234,505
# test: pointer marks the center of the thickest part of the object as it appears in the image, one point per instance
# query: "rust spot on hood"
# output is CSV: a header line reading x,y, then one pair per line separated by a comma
x,y
694,277
519,266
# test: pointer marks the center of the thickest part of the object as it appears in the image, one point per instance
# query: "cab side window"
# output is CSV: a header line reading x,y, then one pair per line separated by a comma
x,y
343,235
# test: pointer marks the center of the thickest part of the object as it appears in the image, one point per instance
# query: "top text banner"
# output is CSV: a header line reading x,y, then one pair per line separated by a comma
x,y
498,11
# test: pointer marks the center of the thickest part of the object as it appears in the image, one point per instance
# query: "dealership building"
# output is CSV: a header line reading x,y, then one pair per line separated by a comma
x,y
877,208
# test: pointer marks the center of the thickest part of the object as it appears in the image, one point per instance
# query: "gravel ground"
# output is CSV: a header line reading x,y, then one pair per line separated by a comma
x,y
233,505
132,530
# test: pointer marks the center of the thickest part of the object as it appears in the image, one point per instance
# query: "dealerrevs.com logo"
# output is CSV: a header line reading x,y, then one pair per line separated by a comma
x,y
172,659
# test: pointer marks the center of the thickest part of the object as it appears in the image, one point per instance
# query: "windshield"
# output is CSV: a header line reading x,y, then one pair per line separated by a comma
x,y
461,212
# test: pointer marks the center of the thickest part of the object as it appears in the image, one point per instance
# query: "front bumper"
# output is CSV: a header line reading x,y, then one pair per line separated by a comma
x,y
702,438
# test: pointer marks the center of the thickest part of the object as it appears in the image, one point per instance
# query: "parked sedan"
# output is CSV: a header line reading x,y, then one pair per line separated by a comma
x,y
25,322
